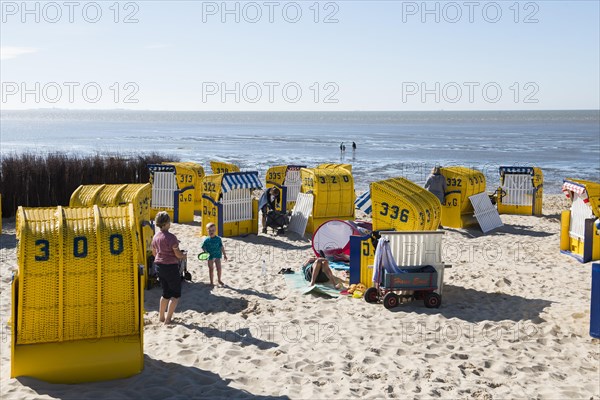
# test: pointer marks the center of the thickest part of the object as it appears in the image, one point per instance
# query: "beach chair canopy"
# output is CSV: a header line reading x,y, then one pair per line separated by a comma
x,y
516,170
363,202
587,191
241,180
569,186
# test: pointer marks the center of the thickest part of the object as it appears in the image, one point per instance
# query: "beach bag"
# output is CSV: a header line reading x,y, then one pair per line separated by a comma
x,y
183,271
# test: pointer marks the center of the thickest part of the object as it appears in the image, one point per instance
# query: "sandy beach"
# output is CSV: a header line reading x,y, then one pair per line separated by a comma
x,y
514,323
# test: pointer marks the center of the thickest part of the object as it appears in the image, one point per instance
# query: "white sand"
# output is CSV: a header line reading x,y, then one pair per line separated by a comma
x,y
514,324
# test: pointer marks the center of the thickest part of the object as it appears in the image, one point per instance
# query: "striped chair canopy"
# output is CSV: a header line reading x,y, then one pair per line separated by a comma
x,y
573,187
516,170
241,180
363,202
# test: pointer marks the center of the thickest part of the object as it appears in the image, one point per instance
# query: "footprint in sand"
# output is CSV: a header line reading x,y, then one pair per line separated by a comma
x,y
458,356
375,350
559,376
310,368
326,364
369,360
503,282
258,362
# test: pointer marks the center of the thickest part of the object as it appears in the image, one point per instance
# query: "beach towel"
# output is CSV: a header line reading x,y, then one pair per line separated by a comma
x,y
297,282
384,260
339,266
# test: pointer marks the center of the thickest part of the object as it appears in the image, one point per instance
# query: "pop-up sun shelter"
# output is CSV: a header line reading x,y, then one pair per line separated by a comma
x,y
287,179
580,226
227,202
77,296
333,237
520,190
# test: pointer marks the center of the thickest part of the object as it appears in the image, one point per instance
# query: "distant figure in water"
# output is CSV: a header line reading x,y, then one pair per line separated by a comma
x,y
353,146
342,147
436,184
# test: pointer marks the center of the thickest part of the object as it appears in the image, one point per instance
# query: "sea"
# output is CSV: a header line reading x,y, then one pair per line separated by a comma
x,y
564,144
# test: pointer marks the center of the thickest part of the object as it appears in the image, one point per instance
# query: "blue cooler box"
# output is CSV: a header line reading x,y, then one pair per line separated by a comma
x,y
595,309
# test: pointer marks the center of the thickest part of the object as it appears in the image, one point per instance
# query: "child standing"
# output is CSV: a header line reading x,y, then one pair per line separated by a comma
x,y
213,245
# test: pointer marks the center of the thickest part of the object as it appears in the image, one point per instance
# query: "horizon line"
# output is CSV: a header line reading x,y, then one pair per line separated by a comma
x,y
289,111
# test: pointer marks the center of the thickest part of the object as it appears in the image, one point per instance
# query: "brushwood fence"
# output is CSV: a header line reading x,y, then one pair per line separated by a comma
x,y
33,180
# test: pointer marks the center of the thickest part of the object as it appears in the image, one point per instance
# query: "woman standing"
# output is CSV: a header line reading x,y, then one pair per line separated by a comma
x,y
165,248
436,184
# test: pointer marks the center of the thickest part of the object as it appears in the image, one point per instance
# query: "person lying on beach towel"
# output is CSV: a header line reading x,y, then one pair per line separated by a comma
x,y
317,270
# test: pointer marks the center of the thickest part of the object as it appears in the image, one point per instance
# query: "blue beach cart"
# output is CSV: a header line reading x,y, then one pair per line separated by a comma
x,y
418,275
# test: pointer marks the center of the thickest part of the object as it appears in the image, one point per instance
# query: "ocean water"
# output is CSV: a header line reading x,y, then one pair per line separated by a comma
x,y
563,143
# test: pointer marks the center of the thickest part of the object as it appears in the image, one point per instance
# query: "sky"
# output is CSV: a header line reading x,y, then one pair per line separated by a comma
x,y
299,56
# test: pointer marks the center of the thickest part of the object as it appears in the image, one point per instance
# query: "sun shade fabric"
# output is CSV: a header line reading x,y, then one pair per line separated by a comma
x,y
162,168
241,180
333,237
363,202
573,187
517,170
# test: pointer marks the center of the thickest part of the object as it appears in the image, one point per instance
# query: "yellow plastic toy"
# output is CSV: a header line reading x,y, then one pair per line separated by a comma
x,y
221,167
580,226
401,205
227,202
333,191
463,182
173,191
357,288
520,191
287,179
77,297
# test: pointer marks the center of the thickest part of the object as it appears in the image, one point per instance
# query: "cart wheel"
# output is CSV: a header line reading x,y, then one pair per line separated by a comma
x,y
372,295
390,300
418,295
433,300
